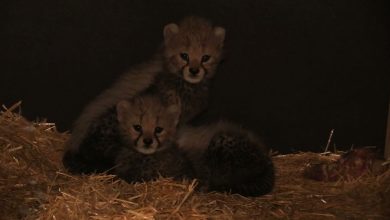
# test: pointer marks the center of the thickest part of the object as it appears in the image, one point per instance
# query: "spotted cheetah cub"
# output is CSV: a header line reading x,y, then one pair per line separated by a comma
x,y
183,66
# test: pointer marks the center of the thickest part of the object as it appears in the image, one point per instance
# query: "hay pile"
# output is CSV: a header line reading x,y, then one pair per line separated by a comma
x,y
34,185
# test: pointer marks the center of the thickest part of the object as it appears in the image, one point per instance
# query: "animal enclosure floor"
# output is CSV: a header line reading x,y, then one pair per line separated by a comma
x,y
34,185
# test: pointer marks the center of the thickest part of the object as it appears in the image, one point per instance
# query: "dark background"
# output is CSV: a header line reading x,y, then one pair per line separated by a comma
x,y
295,68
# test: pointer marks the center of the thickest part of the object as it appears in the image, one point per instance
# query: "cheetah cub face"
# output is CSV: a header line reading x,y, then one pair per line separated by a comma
x,y
193,49
147,124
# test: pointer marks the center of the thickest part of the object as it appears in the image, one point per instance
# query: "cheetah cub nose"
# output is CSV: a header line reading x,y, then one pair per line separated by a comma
x,y
194,71
148,141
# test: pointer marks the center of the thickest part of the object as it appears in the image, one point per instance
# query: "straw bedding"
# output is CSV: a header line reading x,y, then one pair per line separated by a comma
x,y
34,185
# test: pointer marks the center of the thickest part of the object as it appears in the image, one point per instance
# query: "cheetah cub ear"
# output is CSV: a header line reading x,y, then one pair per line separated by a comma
x,y
173,108
219,33
122,108
173,112
125,107
170,30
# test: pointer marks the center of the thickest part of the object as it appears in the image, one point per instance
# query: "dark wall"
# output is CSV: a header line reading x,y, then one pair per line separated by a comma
x,y
294,70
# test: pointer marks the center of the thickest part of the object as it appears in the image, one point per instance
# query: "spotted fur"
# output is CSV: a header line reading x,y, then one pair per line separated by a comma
x,y
227,158
98,151
133,166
